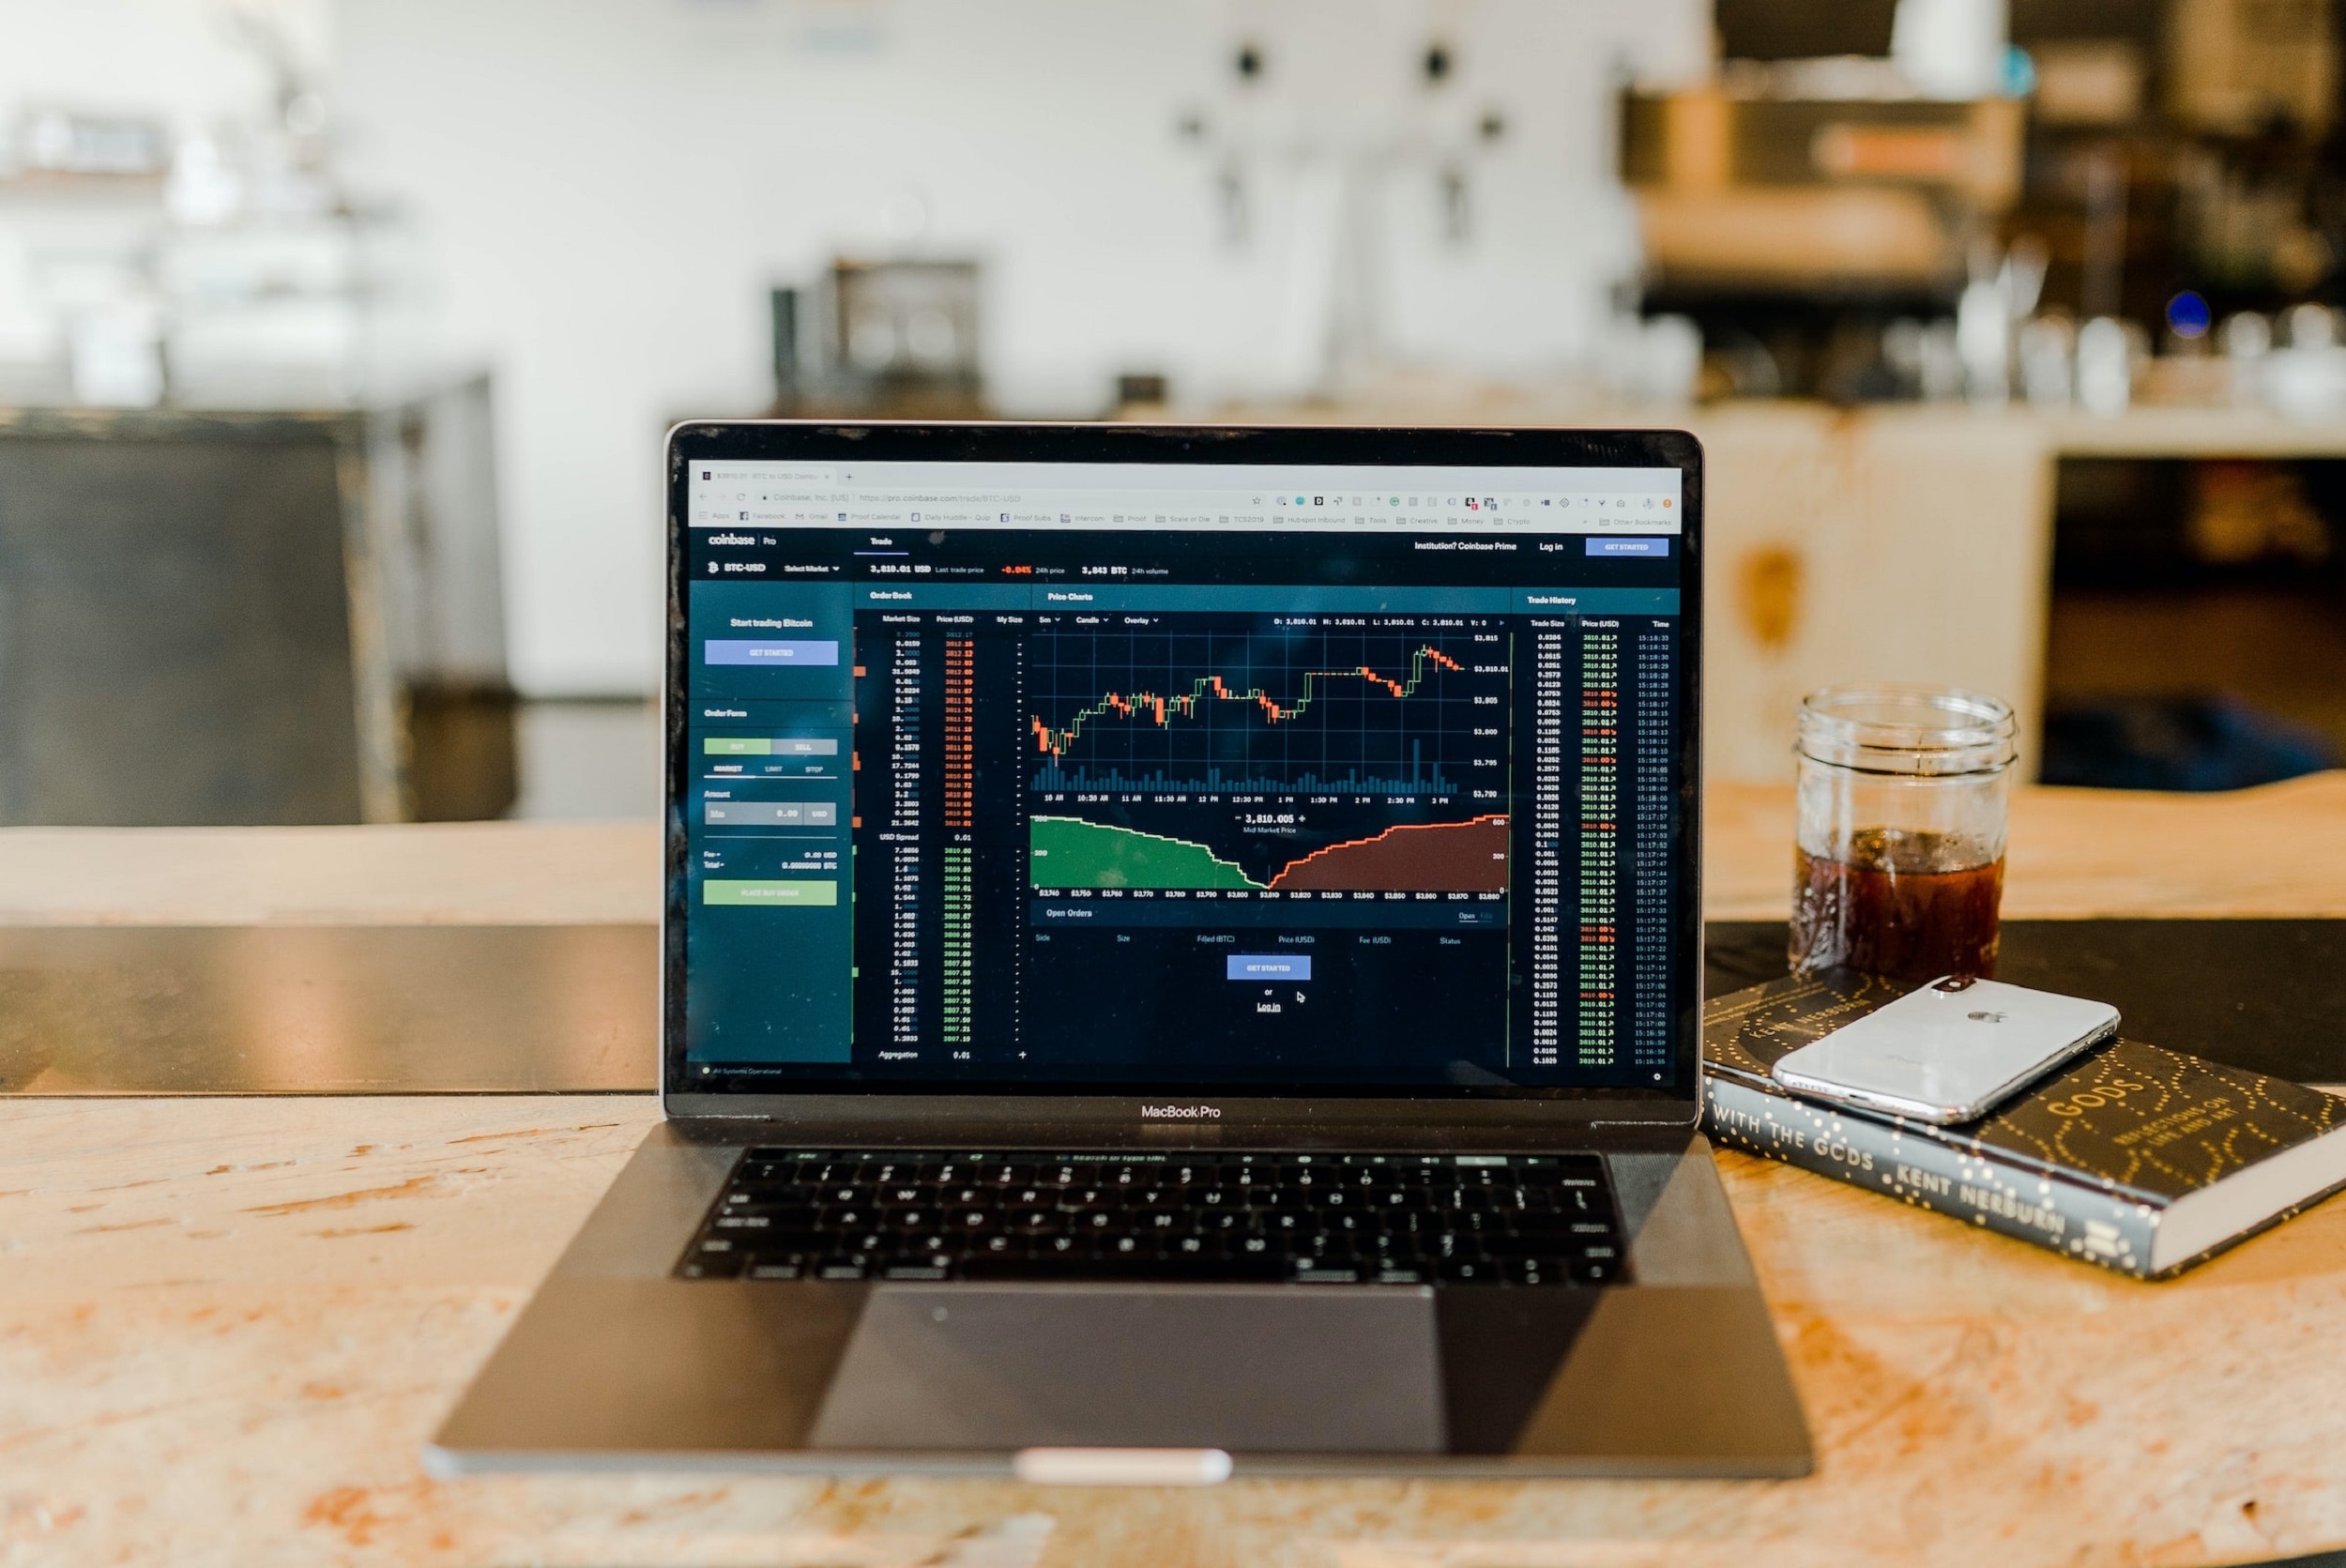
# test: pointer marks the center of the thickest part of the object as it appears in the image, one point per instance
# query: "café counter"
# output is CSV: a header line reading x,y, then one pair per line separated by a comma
x,y
228,1324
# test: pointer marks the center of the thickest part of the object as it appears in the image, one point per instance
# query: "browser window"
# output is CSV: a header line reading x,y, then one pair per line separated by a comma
x,y
1205,776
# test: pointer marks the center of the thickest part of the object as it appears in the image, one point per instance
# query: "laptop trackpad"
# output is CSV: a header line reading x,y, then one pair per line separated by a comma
x,y
1282,1369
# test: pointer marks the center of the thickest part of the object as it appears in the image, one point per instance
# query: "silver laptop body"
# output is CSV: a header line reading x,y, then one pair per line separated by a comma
x,y
1182,957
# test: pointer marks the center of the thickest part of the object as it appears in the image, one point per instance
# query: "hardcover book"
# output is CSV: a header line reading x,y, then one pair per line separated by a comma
x,y
2134,1157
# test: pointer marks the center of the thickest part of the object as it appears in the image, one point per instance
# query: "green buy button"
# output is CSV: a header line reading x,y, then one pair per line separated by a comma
x,y
802,895
737,745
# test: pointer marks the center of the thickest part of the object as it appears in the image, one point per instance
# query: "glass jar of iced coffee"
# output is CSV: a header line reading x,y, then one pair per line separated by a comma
x,y
1899,862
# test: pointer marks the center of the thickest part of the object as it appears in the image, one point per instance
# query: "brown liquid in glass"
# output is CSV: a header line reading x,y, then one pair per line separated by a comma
x,y
1890,909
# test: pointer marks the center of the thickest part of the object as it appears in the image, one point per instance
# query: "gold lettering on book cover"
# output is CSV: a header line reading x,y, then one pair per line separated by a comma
x,y
2134,1117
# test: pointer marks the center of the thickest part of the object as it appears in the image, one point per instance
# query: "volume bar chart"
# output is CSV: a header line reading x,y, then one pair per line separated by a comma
x,y
1417,779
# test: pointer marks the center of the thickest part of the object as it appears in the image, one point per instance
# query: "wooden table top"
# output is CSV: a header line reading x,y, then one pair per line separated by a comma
x,y
227,1326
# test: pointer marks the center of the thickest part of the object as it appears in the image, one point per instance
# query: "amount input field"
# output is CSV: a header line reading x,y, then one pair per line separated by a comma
x,y
771,814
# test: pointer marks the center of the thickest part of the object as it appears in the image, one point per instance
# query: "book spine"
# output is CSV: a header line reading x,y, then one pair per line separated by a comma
x,y
2067,1217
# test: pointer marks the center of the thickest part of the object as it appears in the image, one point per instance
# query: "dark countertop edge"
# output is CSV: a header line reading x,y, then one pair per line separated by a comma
x,y
181,419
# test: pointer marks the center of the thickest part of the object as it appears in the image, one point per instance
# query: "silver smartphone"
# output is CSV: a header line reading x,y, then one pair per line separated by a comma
x,y
1950,1052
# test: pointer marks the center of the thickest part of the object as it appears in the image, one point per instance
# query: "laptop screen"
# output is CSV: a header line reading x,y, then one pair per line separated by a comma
x,y
1100,777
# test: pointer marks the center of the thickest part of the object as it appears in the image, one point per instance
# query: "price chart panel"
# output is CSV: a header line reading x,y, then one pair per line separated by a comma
x,y
1292,823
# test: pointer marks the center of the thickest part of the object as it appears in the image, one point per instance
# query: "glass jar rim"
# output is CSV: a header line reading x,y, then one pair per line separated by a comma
x,y
1924,731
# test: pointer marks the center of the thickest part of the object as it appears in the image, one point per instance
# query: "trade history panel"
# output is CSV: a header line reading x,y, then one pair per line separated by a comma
x,y
1180,775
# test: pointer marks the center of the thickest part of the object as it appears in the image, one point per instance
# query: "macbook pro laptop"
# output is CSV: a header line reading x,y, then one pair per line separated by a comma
x,y
1181,957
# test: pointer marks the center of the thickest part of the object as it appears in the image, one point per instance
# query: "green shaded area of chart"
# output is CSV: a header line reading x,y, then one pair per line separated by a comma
x,y
1068,852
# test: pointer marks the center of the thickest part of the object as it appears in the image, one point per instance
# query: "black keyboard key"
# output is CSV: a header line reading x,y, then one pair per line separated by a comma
x,y
991,1268
779,1243
1088,1268
735,1221
1547,1225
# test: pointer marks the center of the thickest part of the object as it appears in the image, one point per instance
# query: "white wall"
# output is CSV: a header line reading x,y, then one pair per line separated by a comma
x,y
608,186
177,61
176,58
605,189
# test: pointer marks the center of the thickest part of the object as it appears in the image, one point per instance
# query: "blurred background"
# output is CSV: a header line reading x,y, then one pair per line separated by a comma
x,y
338,338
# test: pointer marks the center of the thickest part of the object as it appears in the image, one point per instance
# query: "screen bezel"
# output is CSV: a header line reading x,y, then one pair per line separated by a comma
x,y
1043,1113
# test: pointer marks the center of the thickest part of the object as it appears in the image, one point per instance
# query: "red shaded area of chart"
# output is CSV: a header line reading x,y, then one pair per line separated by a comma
x,y
1429,857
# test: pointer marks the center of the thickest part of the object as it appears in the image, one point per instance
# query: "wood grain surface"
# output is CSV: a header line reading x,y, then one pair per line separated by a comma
x,y
2278,852
227,1326
225,1329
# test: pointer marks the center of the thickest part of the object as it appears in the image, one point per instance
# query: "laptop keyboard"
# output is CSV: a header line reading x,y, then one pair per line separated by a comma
x,y
1394,1219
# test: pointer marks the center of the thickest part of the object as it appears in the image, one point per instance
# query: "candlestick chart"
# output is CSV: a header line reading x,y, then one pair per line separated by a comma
x,y
1388,711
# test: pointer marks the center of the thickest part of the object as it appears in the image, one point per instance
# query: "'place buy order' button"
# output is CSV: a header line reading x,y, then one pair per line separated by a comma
x,y
800,894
